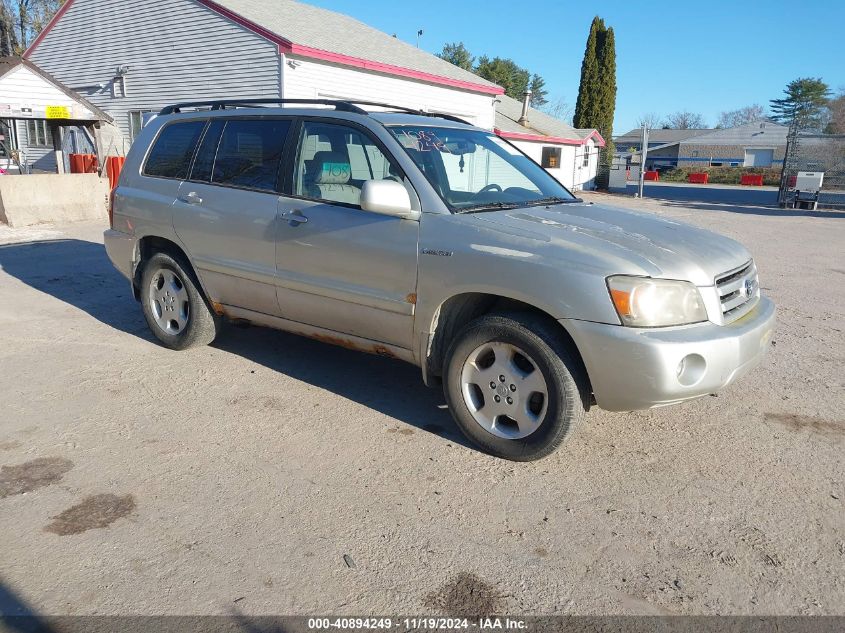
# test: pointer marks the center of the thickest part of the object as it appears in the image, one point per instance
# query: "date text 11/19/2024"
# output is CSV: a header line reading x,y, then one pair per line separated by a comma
x,y
416,623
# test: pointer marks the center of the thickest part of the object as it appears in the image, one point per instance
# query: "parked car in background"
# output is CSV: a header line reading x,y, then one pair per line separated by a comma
x,y
423,238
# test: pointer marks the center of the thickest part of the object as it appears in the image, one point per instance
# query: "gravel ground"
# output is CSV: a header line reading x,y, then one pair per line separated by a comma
x,y
275,475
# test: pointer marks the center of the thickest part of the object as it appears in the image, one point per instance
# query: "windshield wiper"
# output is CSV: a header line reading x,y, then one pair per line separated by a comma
x,y
492,206
550,200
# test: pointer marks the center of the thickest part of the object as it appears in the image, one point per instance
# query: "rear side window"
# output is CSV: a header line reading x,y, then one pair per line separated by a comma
x,y
173,150
249,153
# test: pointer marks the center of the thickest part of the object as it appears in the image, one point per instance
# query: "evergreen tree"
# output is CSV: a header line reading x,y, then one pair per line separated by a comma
x,y
607,91
596,102
506,73
586,102
538,91
457,54
804,104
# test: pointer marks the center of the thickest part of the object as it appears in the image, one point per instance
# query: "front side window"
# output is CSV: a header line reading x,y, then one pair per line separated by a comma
x,y
173,150
473,170
334,161
249,153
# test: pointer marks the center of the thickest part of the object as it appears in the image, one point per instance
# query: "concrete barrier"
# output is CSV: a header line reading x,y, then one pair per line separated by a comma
x,y
57,198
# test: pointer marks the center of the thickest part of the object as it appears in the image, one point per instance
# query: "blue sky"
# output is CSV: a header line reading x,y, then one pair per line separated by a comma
x,y
703,57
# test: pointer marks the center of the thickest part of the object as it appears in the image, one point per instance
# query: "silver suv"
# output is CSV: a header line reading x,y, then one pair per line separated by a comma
x,y
423,238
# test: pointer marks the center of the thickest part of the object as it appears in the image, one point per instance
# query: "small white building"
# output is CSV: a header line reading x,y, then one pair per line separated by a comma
x,y
569,154
131,58
53,120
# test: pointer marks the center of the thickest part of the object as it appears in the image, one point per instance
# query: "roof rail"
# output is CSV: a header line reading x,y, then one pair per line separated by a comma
x,y
342,105
222,104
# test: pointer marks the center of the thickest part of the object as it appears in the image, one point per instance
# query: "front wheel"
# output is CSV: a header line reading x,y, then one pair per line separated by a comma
x,y
513,387
173,305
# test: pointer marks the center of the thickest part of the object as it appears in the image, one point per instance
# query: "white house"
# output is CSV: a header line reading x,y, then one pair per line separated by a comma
x,y
136,56
569,154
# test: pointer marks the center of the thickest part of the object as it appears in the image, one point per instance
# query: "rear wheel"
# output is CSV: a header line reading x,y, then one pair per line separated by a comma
x,y
173,305
513,387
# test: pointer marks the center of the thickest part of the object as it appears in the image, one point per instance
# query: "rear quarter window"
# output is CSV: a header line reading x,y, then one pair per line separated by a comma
x,y
173,150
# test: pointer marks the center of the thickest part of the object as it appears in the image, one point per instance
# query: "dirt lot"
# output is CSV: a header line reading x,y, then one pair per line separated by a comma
x,y
275,475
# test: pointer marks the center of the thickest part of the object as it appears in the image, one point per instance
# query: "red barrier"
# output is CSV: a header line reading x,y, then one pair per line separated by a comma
x,y
114,165
82,163
651,175
755,180
698,179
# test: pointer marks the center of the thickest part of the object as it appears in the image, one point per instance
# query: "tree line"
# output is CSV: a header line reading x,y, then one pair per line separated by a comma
x,y
807,102
503,71
21,21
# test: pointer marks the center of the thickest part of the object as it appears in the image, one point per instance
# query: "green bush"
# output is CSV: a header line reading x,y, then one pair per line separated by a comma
x,y
722,175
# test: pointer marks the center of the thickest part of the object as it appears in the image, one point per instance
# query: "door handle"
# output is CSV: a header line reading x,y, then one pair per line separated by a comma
x,y
191,198
295,217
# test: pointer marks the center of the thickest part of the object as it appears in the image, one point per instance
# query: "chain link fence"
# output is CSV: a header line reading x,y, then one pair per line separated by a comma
x,y
815,153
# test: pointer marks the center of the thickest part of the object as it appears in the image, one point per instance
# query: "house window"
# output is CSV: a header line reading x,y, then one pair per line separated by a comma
x,y
136,122
586,162
37,134
551,157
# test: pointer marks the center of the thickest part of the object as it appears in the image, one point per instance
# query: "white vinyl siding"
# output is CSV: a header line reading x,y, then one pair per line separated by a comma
x,y
578,163
311,80
176,50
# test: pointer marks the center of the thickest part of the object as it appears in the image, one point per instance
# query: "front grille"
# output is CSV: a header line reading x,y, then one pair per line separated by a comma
x,y
738,290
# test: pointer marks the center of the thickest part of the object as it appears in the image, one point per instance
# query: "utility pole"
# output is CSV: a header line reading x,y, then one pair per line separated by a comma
x,y
643,154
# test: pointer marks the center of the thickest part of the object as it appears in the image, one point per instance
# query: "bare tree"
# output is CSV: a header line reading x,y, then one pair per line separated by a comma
x,y
684,121
29,18
735,118
650,120
559,109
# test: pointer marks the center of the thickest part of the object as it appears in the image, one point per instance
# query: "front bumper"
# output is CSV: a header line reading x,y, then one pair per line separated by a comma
x,y
633,368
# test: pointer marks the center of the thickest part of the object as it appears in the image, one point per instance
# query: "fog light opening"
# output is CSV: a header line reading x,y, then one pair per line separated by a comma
x,y
691,369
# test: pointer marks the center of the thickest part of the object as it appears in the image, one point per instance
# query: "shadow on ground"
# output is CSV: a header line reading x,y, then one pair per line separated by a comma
x,y
80,274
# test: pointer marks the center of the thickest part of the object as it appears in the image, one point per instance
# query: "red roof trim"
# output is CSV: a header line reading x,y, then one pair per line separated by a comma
x,y
389,69
539,138
62,10
286,46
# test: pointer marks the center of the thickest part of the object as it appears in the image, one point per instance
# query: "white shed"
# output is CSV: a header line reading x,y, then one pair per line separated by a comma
x,y
569,154
53,119
134,57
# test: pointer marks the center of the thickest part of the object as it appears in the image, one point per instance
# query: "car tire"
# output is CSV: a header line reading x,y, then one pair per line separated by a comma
x,y
543,396
174,306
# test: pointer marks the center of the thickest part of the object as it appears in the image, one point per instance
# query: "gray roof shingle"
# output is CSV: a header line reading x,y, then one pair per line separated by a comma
x,y
508,111
314,27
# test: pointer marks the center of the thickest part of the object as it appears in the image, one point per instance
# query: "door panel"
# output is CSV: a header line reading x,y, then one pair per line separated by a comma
x,y
230,236
348,270
339,267
226,213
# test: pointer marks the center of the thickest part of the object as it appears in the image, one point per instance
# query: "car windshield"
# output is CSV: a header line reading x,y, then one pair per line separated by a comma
x,y
473,170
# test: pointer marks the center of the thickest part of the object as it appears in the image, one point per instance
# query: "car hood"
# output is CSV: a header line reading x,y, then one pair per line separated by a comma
x,y
621,241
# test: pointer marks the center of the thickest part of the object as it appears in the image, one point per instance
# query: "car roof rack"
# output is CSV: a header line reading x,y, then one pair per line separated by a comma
x,y
339,104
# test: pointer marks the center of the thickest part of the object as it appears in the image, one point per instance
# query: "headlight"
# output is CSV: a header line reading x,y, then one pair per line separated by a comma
x,y
645,302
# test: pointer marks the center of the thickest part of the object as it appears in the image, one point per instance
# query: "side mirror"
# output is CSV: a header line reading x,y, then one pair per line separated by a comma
x,y
387,197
